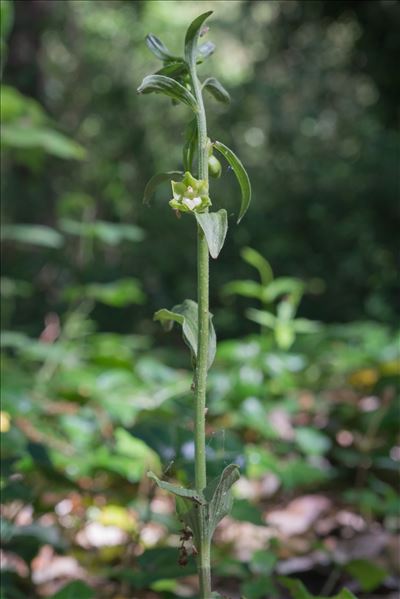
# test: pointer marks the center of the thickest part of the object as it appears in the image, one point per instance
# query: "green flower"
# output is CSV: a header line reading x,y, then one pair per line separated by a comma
x,y
190,194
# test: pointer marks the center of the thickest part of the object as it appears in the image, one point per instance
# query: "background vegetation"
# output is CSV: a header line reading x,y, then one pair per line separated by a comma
x,y
93,395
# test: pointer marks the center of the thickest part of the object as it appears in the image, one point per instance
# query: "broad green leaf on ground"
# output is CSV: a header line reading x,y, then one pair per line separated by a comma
x,y
22,136
156,180
74,590
169,87
192,36
298,590
189,494
368,574
214,226
217,90
241,176
186,314
255,259
32,234
159,49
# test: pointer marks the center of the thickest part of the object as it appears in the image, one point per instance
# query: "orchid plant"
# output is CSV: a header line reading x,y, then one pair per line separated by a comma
x,y
201,508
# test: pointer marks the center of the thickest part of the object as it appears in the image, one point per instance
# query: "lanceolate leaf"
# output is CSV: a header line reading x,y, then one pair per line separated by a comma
x,y
189,494
189,149
217,90
155,181
241,176
214,226
169,87
255,259
186,314
192,36
173,69
219,496
159,49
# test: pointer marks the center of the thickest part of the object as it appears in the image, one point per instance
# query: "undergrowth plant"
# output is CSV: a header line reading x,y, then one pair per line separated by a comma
x,y
201,508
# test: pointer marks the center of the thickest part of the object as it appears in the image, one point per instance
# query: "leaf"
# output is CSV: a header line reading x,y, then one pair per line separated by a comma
x,y
214,226
159,49
311,441
74,589
262,317
192,36
368,574
218,494
241,176
118,294
304,325
32,234
173,69
155,181
169,87
216,89
258,261
283,286
298,590
186,314
23,136
188,494
109,233
189,149
244,288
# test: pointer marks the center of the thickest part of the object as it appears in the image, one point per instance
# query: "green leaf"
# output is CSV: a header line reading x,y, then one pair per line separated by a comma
x,y
74,589
258,261
188,494
304,325
214,226
244,288
311,441
298,590
190,147
118,294
109,233
186,314
283,286
218,493
32,234
241,176
217,90
155,181
22,136
136,450
173,69
368,574
192,36
169,87
159,49
262,317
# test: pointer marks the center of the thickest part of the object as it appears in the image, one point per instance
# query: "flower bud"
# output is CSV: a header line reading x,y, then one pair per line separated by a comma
x,y
214,167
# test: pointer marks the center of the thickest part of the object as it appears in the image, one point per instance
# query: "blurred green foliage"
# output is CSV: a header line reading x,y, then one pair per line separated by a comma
x,y
91,397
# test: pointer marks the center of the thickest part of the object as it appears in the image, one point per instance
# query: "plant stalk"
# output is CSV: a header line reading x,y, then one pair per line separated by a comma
x,y
202,352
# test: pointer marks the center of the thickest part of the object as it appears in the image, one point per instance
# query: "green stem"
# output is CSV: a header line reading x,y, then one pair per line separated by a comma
x,y
202,351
